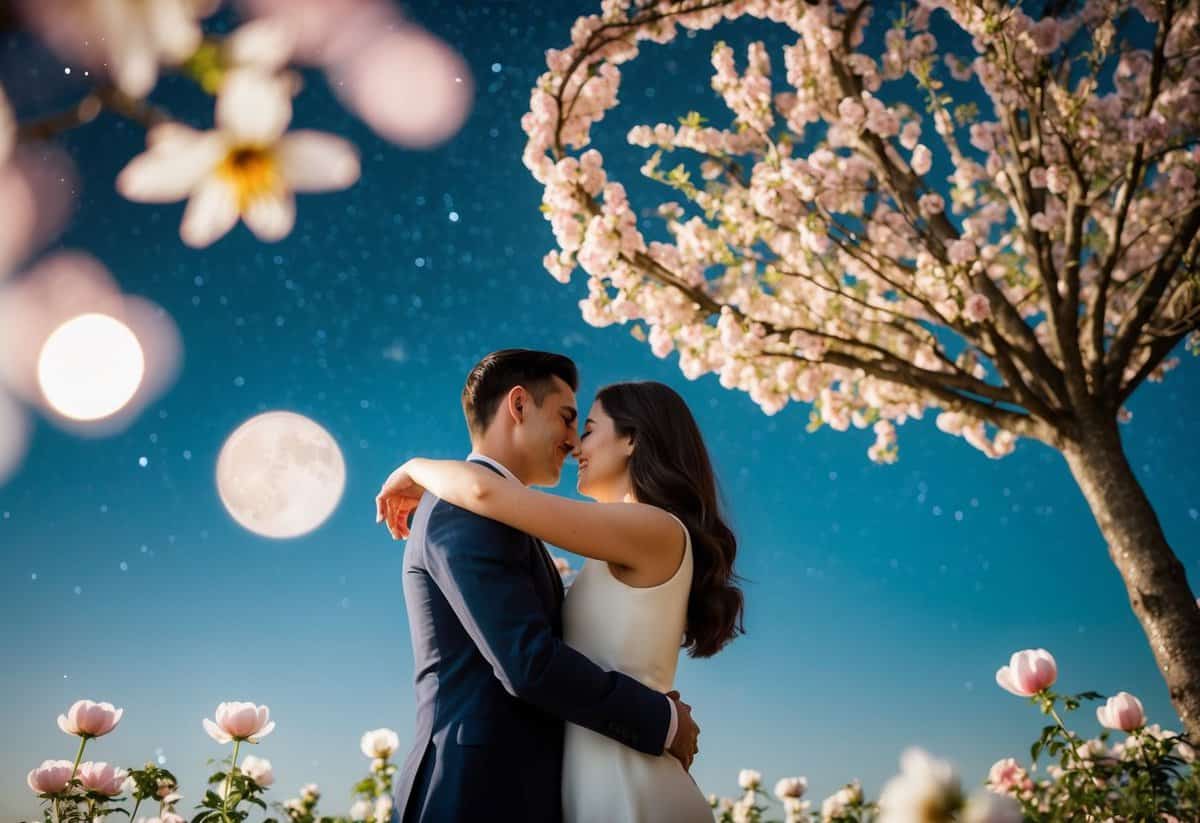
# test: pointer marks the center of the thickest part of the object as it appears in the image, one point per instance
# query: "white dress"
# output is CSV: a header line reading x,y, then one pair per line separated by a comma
x,y
636,631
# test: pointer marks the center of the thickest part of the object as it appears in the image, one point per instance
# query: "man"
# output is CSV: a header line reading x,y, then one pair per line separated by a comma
x,y
494,680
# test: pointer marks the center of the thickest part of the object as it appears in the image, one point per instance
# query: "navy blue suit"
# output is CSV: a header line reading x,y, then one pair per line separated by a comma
x,y
494,680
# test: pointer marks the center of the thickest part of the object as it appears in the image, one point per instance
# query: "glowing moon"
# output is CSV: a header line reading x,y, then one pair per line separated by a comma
x,y
280,474
90,367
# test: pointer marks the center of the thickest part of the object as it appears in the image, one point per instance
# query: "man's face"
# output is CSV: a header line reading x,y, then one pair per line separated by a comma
x,y
547,435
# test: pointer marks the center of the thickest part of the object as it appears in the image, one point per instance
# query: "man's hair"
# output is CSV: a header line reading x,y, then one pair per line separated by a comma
x,y
495,375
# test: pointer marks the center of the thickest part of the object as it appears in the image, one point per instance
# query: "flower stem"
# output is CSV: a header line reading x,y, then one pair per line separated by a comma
x,y
137,801
78,756
228,780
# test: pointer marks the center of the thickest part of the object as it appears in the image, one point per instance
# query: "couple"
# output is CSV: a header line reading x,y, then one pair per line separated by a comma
x,y
532,705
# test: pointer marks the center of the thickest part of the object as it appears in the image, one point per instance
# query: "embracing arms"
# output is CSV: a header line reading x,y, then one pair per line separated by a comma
x,y
481,568
635,535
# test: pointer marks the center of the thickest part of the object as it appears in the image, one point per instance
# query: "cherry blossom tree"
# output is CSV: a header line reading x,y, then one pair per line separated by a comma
x,y
1015,249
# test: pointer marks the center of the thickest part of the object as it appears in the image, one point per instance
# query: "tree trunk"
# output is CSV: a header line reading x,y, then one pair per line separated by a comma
x,y
1154,577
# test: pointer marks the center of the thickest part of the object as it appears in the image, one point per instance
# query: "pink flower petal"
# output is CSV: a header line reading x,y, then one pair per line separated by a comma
x,y
171,169
173,28
271,217
316,161
211,212
254,106
215,732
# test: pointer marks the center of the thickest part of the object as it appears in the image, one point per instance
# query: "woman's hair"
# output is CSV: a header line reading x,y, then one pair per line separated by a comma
x,y
670,469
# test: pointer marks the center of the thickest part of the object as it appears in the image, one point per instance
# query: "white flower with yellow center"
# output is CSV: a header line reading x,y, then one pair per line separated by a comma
x,y
247,167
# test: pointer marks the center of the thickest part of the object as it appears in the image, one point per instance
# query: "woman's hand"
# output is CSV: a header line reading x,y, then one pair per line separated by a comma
x,y
396,500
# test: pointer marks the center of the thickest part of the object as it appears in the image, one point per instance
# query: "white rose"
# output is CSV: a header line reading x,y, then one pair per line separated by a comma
x,y
749,779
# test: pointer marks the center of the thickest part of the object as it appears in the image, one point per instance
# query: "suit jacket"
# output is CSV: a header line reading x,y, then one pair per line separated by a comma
x,y
494,679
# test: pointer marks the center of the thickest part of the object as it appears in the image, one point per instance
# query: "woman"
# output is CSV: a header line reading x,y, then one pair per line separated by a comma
x,y
660,569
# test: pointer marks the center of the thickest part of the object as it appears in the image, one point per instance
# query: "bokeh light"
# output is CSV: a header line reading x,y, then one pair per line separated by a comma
x,y
90,367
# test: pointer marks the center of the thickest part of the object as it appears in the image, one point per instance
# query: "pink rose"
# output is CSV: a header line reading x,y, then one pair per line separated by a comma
x,y
52,777
102,778
1123,712
1007,775
259,770
239,721
1028,672
86,718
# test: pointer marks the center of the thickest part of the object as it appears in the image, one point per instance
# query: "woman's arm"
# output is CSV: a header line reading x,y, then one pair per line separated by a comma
x,y
635,535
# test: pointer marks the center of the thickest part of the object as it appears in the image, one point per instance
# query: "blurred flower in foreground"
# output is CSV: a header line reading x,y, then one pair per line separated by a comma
x,y
926,791
14,435
87,356
247,167
126,38
36,185
989,807
8,128
409,86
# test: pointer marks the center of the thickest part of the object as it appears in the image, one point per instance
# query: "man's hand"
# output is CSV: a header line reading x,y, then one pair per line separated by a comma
x,y
687,734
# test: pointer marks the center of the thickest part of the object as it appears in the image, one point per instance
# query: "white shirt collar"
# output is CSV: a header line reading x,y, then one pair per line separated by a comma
x,y
494,463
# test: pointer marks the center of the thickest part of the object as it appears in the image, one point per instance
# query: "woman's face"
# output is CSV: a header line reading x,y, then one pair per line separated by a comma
x,y
603,457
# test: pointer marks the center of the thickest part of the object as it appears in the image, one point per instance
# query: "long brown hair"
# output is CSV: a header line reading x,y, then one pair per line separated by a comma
x,y
670,469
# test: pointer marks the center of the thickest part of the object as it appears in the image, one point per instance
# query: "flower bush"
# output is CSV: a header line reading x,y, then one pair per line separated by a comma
x,y
1147,775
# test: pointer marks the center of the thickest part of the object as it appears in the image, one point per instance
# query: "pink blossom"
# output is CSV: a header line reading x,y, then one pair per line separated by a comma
x,y
922,160
102,778
961,251
1045,35
239,721
86,718
931,204
1028,672
52,777
851,111
977,308
1123,711
910,135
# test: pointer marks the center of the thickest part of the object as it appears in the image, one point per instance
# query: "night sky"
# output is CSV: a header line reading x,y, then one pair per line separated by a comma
x,y
880,599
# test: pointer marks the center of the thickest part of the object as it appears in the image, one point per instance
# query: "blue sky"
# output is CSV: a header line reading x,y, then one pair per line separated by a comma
x,y
880,599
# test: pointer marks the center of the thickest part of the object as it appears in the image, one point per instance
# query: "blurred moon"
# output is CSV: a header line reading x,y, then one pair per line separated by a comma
x,y
280,474
90,367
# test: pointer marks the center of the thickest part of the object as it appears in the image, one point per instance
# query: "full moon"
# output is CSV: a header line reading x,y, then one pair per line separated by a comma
x,y
90,367
280,474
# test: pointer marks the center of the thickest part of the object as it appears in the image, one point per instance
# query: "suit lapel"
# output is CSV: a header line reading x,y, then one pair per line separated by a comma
x,y
553,579
552,570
